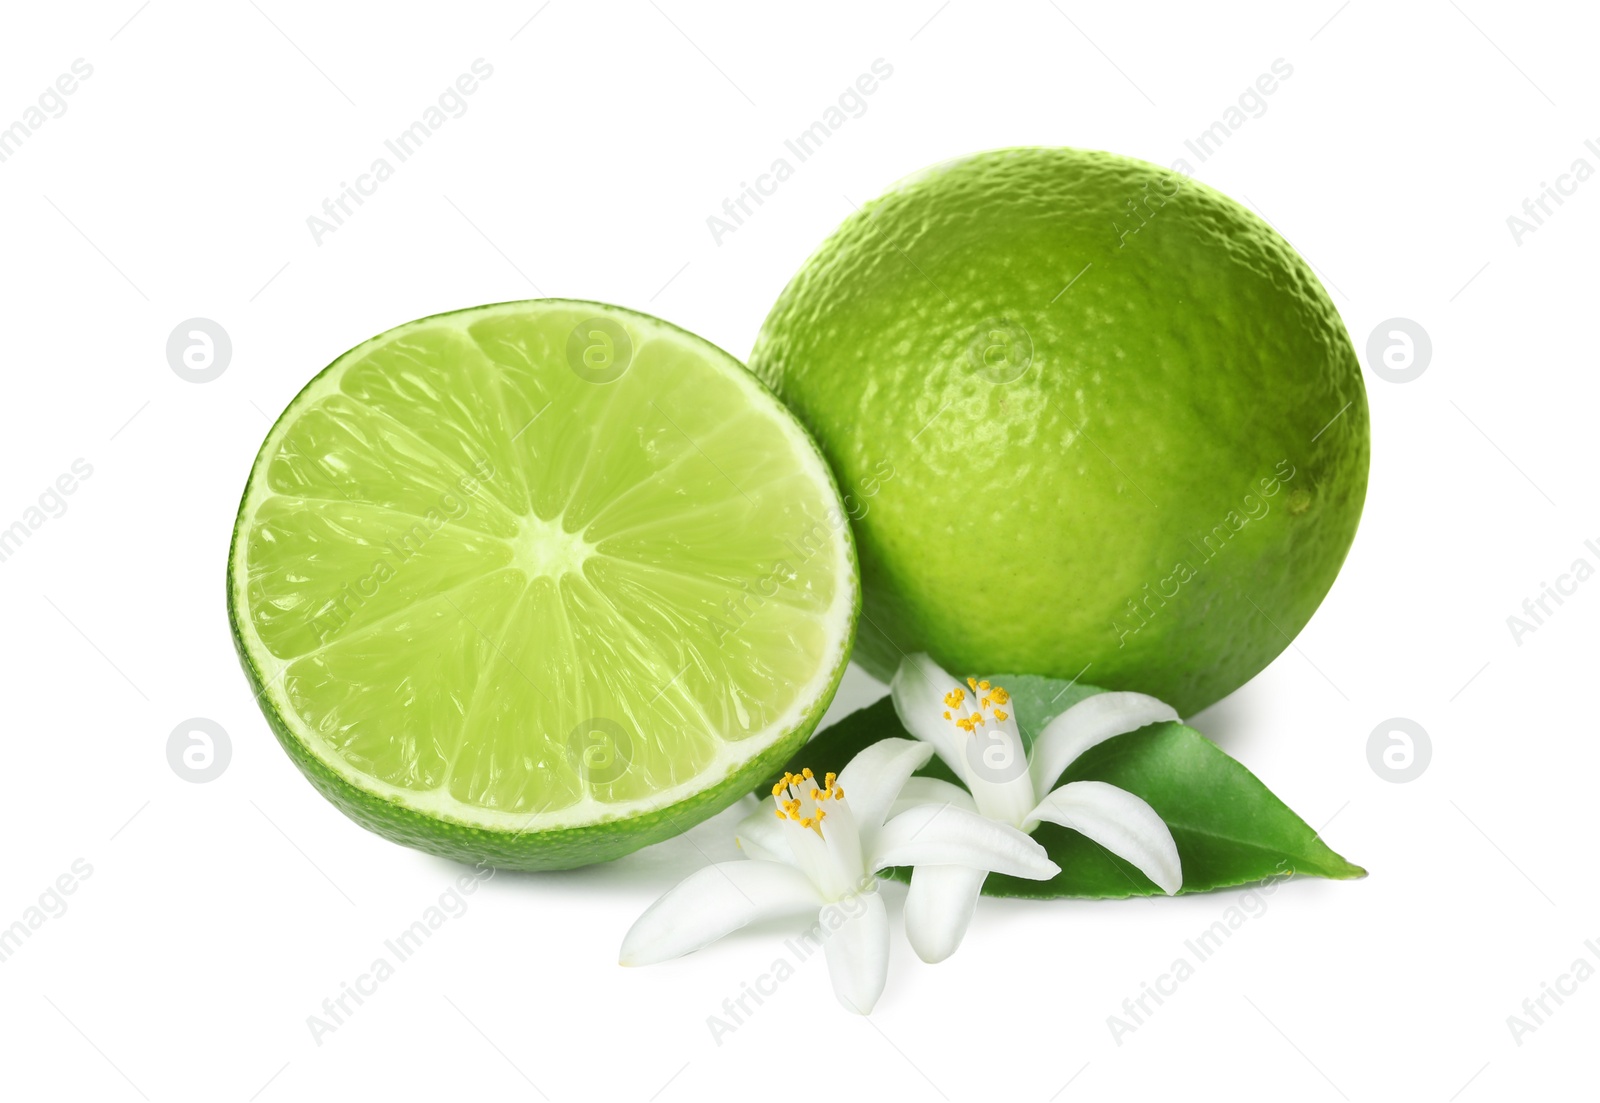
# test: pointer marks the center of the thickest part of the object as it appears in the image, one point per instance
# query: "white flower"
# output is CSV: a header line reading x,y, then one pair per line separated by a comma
x,y
975,732
817,855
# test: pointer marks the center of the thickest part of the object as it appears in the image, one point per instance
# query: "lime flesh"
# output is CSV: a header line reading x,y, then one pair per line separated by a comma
x,y
539,583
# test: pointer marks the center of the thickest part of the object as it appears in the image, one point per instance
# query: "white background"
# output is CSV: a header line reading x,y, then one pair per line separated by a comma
x,y
219,916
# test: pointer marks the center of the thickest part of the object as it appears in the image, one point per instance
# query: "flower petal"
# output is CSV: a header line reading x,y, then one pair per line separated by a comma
x,y
856,940
760,836
712,902
997,771
830,854
873,778
931,790
939,907
945,835
1118,821
1092,720
990,760
918,691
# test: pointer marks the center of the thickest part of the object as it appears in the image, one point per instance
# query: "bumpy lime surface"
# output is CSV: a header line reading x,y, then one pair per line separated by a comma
x,y
1086,413
540,583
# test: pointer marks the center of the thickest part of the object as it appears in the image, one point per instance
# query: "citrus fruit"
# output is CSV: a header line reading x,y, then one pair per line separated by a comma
x,y
539,583
1090,417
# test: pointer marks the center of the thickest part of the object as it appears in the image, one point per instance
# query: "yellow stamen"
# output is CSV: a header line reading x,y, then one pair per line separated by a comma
x,y
986,696
792,798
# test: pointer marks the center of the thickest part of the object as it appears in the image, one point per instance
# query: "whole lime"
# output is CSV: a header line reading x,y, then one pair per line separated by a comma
x,y
1090,417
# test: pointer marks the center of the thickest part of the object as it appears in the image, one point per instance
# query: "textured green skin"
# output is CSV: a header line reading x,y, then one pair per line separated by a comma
x,y
1186,362
567,848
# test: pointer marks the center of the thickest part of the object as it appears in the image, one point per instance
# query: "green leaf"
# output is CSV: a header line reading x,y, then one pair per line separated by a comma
x,y
1229,828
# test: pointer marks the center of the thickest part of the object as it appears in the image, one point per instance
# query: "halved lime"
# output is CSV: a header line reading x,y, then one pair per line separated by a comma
x,y
540,583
